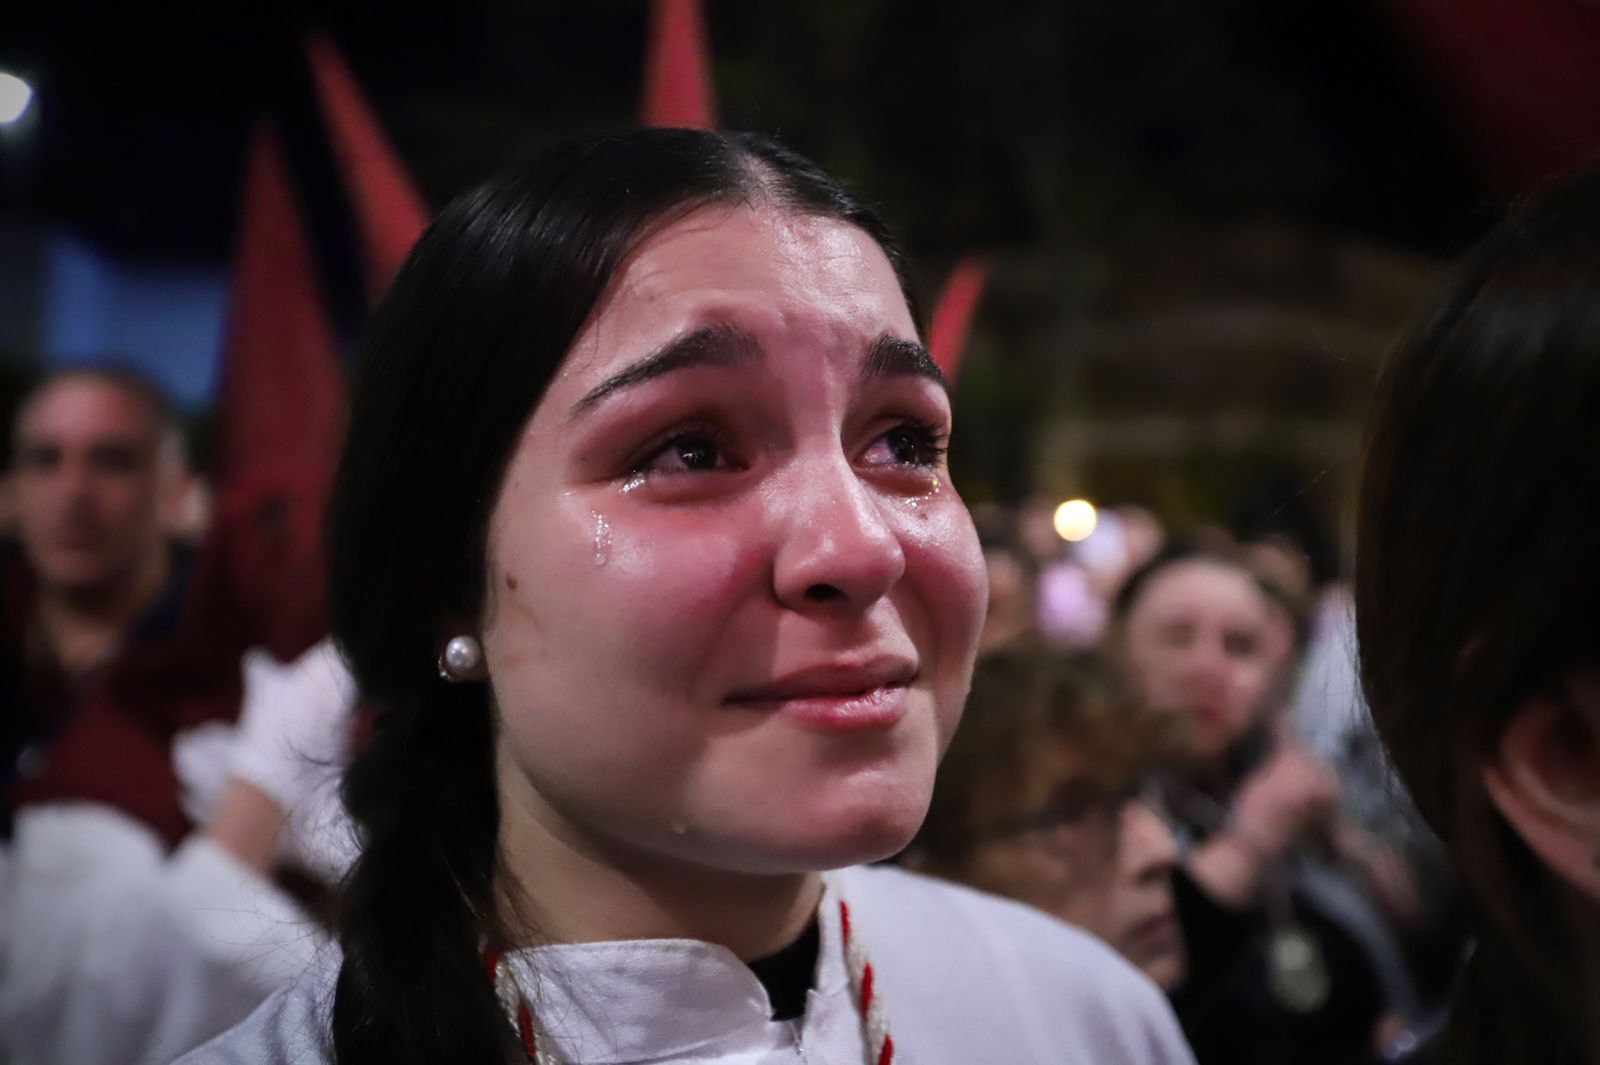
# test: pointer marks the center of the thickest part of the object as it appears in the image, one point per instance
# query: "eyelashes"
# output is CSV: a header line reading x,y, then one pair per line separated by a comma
x,y
705,449
916,443
689,449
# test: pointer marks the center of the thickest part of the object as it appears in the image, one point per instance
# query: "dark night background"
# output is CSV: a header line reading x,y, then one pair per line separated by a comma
x,y
1207,221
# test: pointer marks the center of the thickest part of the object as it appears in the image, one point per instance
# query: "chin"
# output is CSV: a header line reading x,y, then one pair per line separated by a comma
x,y
835,838
1166,971
873,840
74,576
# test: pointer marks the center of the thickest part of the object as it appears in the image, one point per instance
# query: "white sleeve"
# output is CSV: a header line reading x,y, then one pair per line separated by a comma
x,y
116,952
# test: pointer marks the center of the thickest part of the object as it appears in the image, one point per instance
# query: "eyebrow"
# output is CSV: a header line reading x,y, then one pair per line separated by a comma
x,y
721,344
892,356
710,345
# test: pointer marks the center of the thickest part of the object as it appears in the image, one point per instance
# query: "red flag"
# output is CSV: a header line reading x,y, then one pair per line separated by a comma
x,y
389,210
279,413
677,75
1523,77
952,314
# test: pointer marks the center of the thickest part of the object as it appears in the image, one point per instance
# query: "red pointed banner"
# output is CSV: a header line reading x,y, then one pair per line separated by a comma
x,y
389,210
1522,76
677,70
279,414
952,314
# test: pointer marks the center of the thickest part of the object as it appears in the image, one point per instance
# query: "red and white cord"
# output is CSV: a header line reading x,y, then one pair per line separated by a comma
x,y
880,1046
874,1024
516,1007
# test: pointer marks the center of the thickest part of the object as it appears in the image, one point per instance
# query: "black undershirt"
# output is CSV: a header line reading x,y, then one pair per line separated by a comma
x,y
787,975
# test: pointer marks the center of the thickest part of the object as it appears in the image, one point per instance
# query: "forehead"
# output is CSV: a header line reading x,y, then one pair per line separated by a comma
x,y
783,276
84,408
1200,586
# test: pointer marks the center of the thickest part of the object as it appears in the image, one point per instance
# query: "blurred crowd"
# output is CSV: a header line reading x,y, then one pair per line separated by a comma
x,y
1166,745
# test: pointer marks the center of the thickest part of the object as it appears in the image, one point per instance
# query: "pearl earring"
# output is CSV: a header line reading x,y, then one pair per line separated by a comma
x,y
461,660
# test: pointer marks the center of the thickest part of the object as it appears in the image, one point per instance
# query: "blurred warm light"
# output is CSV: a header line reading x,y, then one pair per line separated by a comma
x,y
14,97
1076,519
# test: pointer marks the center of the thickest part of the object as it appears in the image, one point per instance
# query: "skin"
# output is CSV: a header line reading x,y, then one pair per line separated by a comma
x,y
1543,777
1110,876
1141,923
94,487
1198,641
664,554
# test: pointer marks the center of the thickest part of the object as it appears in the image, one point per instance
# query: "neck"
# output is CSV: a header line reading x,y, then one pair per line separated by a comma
x,y
571,887
83,626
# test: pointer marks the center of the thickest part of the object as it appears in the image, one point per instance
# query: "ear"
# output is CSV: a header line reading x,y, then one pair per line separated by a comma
x,y
1544,778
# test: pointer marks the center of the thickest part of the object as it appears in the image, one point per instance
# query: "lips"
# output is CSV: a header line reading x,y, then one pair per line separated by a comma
x,y
1154,934
76,534
837,696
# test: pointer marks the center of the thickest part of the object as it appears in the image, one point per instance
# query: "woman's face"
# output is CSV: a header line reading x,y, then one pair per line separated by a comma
x,y
1142,921
1066,863
1195,640
1096,859
733,599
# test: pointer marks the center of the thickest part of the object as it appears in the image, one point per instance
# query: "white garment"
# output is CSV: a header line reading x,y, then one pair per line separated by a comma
x,y
964,977
113,951
1328,707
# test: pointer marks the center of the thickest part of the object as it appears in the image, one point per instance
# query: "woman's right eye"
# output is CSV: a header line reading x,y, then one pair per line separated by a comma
x,y
1177,634
697,452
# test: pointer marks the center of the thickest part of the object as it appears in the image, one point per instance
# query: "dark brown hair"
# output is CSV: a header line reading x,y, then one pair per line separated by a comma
x,y
1477,578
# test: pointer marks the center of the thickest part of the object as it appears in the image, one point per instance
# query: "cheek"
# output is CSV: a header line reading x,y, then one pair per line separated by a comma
x,y
695,564
1155,670
1081,894
945,567
947,579
630,596
129,503
1250,681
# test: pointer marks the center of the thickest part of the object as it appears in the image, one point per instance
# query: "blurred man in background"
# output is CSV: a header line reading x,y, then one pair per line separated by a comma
x,y
154,790
98,474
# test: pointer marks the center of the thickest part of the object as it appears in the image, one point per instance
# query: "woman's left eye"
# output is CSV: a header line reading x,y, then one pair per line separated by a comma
x,y
908,444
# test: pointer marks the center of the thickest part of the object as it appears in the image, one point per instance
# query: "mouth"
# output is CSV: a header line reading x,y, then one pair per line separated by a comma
x,y
837,697
1153,935
74,535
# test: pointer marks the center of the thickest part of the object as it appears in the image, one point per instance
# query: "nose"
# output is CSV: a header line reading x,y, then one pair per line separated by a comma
x,y
1148,849
1205,668
70,483
837,550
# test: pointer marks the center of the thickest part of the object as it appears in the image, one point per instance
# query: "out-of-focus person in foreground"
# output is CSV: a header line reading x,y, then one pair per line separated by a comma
x,y
1477,580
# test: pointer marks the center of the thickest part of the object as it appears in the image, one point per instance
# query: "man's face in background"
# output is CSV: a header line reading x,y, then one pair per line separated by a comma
x,y
92,479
